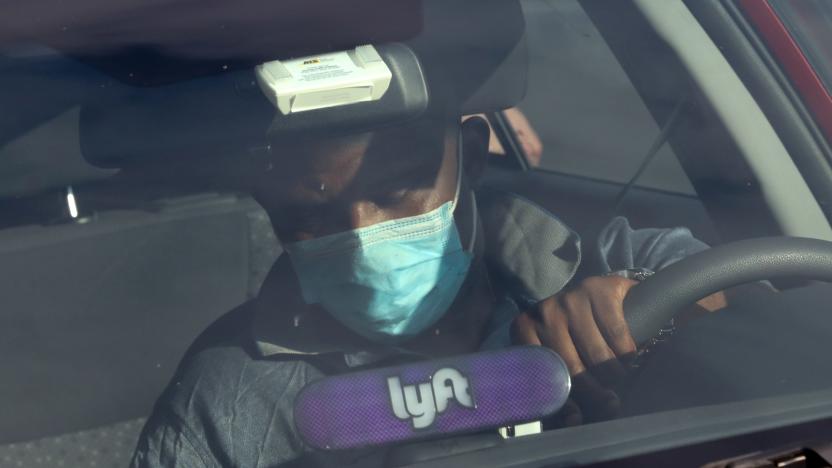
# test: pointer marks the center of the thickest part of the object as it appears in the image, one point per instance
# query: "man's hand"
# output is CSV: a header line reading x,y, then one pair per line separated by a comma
x,y
526,136
586,327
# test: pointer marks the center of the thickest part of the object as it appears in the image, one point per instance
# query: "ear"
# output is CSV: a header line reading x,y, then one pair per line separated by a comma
x,y
475,135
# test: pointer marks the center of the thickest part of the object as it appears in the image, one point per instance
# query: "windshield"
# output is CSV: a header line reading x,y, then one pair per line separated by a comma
x,y
206,210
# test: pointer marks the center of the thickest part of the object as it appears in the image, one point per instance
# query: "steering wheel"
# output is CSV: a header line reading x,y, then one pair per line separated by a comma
x,y
652,303
655,301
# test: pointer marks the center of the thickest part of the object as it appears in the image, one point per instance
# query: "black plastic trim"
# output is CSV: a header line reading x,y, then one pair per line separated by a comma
x,y
689,437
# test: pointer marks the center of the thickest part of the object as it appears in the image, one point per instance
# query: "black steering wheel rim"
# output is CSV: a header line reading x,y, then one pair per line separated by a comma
x,y
653,303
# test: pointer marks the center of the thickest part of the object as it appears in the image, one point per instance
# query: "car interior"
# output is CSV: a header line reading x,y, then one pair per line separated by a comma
x,y
109,274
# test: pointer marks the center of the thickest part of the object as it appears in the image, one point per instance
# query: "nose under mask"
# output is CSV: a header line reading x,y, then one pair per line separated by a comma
x,y
392,280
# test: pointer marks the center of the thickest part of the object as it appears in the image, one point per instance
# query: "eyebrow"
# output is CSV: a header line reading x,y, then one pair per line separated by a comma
x,y
411,173
416,172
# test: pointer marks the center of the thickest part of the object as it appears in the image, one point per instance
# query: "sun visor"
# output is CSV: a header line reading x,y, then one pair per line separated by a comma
x,y
470,57
160,42
235,114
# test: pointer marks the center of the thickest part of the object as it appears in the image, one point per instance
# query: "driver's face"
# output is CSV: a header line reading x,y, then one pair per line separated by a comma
x,y
318,188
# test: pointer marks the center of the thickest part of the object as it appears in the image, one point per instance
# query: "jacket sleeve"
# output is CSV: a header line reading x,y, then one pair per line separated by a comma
x,y
620,247
225,406
165,442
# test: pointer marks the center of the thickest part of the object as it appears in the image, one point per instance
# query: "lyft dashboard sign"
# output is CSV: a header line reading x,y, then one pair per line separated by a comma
x,y
430,398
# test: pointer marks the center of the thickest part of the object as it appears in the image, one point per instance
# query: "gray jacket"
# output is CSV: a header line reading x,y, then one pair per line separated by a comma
x,y
230,401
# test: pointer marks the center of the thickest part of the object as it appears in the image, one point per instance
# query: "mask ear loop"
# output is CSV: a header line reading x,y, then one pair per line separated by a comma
x,y
458,169
475,213
474,222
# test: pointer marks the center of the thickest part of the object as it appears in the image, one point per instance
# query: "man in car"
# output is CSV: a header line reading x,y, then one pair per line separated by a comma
x,y
526,136
387,235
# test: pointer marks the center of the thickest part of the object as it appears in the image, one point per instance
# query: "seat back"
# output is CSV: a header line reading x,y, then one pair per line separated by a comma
x,y
95,317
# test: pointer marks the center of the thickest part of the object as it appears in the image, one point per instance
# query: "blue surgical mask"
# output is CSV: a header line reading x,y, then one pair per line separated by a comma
x,y
392,280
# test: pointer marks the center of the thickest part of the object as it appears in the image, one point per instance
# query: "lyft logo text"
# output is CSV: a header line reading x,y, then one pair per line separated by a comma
x,y
420,403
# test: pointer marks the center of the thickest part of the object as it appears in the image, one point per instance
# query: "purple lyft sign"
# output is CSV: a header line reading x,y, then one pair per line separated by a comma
x,y
452,395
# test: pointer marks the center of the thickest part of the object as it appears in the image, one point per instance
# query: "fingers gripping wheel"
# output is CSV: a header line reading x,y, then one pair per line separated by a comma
x,y
433,398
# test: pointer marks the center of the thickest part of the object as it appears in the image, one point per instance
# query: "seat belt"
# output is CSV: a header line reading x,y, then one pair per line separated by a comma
x,y
658,143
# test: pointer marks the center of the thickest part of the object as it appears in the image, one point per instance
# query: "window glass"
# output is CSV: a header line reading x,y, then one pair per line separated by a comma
x,y
589,117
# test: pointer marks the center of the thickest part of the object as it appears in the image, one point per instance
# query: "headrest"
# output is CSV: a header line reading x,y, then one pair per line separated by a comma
x,y
468,57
